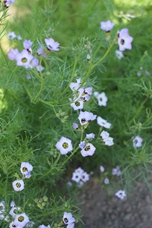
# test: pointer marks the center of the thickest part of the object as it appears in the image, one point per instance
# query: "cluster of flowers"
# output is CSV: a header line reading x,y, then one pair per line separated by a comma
x,y
115,172
124,40
80,95
25,169
142,71
20,220
13,36
7,3
29,60
64,145
80,176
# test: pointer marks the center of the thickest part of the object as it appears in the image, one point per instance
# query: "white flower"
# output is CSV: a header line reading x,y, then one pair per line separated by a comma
x,y
88,150
77,104
21,220
18,185
85,177
102,98
25,169
121,194
11,35
2,210
14,211
103,123
68,218
64,145
108,141
119,54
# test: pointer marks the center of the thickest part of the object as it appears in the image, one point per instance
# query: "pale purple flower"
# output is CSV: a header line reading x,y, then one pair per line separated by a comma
x,y
103,123
75,85
39,68
27,44
121,194
137,141
14,211
106,181
116,171
21,220
104,135
88,150
124,40
12,54
75,126
24,58
76,176
108,141
41,51
106,26
85,177
79,175
2,210
88,57
86,117
64,145
138,73
82,144
68,218
119,54
88,90
12,204
102,168
35,62
90,136
7,3
52,45
18,185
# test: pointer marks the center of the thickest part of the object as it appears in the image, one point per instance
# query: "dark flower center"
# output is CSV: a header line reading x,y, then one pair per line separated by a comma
x,y
65,145
122,41
24,169
87,148
18,185
21,218
83,120
24,60
66,220
77,103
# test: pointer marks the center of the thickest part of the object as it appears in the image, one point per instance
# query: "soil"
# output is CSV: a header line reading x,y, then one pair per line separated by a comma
x,y
101,211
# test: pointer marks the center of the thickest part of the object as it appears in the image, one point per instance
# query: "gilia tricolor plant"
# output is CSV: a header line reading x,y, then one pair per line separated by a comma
x,y
49,118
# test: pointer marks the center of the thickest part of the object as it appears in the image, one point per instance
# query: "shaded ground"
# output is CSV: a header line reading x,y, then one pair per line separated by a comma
x,y
101,211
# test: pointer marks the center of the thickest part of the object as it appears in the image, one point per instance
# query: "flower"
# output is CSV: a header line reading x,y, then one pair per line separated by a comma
x,y
106,26
102,168
106,181
68,218
79,175
90,136
18,185
14,210
24,58
64,145
41,51
75,126
137,141
103,123
119,54
27,44
86,117
52,45
102,98
11,35
121,194
21,220
88,150
12,225
25,169
39,68
77,105
12,54
7,3
124,40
